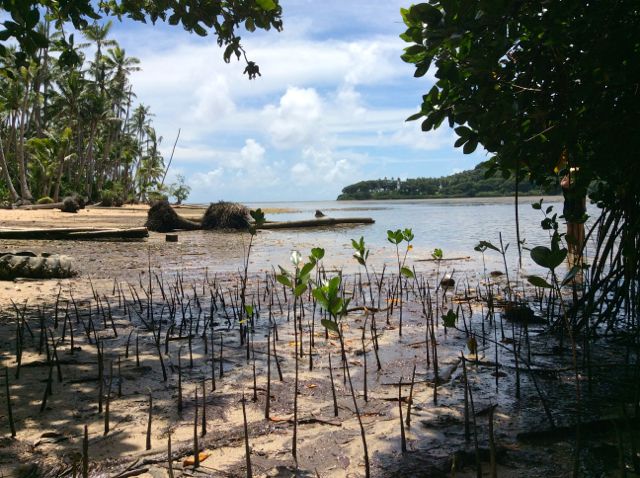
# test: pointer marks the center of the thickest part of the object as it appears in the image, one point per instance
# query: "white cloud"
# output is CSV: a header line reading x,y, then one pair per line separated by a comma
x,y
295,121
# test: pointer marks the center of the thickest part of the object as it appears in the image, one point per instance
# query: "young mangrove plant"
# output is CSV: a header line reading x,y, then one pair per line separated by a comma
x,y
298,283
397,237
329,297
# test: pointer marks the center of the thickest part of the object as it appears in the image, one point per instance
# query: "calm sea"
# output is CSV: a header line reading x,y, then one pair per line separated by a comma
x,y
453,225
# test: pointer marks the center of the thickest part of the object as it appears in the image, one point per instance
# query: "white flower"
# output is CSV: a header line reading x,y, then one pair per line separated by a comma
x,y
295,257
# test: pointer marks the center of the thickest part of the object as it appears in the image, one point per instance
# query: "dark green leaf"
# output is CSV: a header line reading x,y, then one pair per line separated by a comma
x,y
331,325
539,282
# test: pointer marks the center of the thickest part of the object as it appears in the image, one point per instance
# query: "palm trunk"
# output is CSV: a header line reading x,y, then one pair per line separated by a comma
x,y
25,193
7,176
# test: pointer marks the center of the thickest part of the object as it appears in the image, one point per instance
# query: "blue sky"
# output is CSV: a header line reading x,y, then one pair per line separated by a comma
x,y
328,111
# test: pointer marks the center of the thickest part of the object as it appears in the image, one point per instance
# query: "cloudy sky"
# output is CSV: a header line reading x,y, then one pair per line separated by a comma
x,y
328,111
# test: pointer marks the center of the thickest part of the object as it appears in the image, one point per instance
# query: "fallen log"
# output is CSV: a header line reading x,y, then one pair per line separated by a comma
x,y
75,233
319,222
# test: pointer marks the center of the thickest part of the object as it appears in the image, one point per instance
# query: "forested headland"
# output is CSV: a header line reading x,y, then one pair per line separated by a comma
x,y
471,183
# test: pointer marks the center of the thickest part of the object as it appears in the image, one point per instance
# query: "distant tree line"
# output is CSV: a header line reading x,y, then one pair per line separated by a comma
x,y
472,183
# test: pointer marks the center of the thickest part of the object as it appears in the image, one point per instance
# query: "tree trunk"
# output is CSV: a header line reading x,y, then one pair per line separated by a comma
x,y
25,193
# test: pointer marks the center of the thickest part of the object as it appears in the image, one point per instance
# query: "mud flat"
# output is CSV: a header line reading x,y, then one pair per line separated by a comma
x,y
151,321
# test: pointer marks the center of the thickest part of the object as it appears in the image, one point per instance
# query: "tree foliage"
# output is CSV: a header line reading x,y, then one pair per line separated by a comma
x,y
221,18
534,82
543,86
472,183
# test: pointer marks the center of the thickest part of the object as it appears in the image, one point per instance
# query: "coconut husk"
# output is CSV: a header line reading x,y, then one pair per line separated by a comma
x,y
70,204
162,218
226,215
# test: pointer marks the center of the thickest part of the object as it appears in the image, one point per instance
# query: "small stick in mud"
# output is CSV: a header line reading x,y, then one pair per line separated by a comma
x,y
275,352
221,347
119,378
247,450
137,350
268,397
467,431
203,425
169,459
148,445
12,425
333,389
126,348
403,438
492,444
180,380
213,364
108,402
85,453
410,402
196,446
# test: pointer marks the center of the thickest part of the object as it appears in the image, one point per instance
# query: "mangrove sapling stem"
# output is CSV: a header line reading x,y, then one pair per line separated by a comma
x,y
295,388
221,346
196,446
119,378
137,350
85,453
180,380
247,450
435,367
410,401
48,389
255,384
475,435
126,348
492,444
169,459
467,431
148,444
55,356
213,363
203,425
108,402
362,432
364,357
268,397
100,347
333,389
403,438
515,356
12,425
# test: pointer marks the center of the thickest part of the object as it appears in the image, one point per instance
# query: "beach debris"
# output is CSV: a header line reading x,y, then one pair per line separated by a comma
x,y
319,213
226,215
447,282
171,238
163,218
32,266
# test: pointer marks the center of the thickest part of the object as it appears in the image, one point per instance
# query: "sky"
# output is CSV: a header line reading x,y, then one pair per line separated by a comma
x,y
329,109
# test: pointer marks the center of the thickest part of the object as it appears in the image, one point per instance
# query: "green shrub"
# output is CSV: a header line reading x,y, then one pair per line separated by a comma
x,y
45,200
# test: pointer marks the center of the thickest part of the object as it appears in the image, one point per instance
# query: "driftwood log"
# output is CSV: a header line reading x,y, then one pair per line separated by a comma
x,y
75,233
319,222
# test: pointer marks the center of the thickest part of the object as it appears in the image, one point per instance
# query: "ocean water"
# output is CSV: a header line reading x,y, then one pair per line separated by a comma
x,y
453,225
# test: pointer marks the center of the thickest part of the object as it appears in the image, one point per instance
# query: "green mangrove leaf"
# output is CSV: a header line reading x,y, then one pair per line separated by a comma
x,y
405,271
300,289
330,324
539,282
449,319
317,253
284,280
